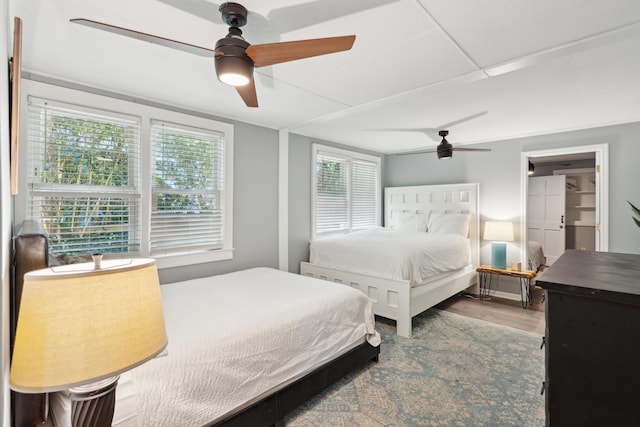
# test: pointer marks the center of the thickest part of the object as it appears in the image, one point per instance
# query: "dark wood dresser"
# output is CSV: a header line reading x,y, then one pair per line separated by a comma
x,y
592,353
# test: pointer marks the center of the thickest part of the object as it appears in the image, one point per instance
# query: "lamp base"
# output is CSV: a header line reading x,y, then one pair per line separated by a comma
x,y
92,405
498,255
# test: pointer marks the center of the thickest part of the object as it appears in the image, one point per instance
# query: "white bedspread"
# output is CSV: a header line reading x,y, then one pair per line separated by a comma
x,y
392,254
237,336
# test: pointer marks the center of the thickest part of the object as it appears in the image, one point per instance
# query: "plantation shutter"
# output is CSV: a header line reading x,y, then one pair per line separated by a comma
x,y
83,178
187,207
364,194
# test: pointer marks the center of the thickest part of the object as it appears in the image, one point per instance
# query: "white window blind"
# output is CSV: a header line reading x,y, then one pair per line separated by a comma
x,y
84,178
347,188
364,192
188,182
332,200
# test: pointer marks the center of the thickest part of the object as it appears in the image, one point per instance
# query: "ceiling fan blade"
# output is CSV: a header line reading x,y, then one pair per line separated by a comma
x,y
404,153
470,149
435,150
248,93
416,130
276,53
431,133
161,41
464,119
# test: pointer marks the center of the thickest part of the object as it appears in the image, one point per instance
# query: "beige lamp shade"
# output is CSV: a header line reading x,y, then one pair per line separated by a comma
x,y
78,324
501,231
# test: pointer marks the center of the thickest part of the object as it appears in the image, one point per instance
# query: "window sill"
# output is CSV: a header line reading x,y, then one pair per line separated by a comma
x,y
170,261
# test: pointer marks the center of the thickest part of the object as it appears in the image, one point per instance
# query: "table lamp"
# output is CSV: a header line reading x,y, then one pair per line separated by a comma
x,y
81,325
500,232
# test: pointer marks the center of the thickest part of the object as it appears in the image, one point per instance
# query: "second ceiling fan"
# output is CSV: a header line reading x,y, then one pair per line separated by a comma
x,y
445,149
235,58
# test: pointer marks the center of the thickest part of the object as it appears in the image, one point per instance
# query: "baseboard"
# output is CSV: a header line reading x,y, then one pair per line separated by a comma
x,y
505,295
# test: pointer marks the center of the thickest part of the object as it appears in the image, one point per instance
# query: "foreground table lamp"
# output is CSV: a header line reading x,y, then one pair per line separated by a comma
x,y
500,232
81,325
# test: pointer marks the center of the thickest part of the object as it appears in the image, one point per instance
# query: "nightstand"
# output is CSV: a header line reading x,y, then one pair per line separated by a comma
x,y
526,276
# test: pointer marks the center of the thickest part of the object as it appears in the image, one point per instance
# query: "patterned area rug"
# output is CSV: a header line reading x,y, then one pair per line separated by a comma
x,y
455,371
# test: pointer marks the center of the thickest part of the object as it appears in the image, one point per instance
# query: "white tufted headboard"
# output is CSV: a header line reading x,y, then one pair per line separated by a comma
x,y
446,198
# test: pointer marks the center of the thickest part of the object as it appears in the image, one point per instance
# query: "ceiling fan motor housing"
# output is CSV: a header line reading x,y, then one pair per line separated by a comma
x,y
445,150
234,58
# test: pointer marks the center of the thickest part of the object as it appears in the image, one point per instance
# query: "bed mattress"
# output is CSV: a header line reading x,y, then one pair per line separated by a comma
x,y
236,337
399,255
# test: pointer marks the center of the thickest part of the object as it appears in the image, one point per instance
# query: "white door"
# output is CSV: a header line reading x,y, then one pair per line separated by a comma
x,y
546,214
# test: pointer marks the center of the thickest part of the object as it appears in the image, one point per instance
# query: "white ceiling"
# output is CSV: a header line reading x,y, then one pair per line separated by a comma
x,y
522,67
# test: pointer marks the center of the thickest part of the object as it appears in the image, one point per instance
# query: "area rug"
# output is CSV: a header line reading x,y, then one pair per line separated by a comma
x,y
454,371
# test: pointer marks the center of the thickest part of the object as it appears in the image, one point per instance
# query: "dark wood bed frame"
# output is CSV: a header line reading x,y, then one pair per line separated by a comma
x,y
29,410
271,410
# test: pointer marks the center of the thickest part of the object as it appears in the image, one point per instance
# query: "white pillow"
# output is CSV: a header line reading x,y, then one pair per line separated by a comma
x,y
411,221
449,223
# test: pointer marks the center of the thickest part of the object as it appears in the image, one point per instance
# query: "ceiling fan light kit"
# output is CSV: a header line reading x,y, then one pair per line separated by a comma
x,y
233,67
235,58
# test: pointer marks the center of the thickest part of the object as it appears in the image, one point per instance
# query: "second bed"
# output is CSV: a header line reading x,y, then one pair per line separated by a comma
x,y
428,252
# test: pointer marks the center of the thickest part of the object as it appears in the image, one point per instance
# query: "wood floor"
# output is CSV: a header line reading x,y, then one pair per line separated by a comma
x,y
501,311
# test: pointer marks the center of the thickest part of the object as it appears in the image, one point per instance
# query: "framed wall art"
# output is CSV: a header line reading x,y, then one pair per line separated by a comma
x,y
15,70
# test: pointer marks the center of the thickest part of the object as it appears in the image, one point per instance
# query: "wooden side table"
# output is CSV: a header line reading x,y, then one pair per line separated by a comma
x,y
526,276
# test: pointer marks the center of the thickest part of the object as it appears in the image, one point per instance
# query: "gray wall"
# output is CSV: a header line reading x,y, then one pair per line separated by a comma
x,y
299,200
300,195
498,173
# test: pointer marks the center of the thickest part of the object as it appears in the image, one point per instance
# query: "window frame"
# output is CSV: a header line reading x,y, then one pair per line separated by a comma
x,y
146,113
348,155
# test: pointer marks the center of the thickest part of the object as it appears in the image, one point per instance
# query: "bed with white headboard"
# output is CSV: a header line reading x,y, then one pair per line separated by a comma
x,y
401,300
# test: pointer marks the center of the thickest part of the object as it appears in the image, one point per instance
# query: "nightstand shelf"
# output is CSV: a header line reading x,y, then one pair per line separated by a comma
x,y
525,276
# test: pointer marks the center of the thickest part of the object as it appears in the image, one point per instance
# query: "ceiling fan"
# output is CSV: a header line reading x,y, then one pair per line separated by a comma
x,y
444,149
432,132
235,58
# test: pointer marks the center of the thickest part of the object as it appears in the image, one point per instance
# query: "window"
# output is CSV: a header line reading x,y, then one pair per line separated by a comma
x,y
187,207
346,190
84,178
140,182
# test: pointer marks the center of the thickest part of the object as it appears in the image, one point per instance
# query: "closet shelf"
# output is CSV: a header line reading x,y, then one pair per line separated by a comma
x,y
581,223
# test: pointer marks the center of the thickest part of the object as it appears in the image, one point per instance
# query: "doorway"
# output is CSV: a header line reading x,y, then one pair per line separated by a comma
x,y
581,222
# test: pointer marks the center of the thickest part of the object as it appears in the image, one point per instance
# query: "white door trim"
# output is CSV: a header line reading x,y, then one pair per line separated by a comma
x,y
602,188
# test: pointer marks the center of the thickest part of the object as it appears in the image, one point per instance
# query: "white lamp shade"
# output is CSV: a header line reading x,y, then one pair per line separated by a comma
x,y
501,231
78,325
